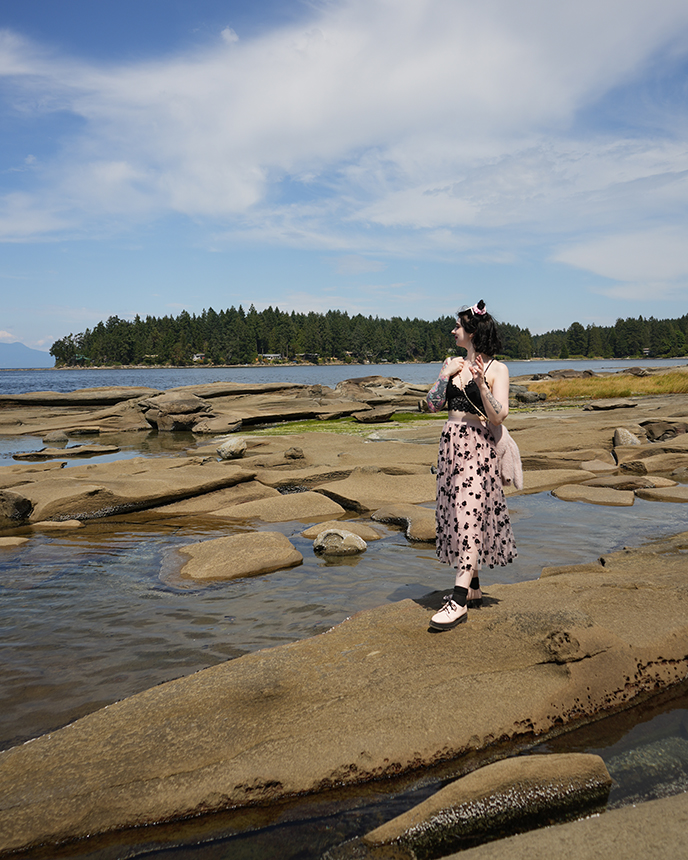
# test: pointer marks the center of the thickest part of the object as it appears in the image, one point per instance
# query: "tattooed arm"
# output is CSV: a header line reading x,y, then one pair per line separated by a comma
x,y
437,396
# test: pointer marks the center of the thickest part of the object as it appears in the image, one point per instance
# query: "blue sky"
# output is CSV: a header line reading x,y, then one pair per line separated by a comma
x,y
384,157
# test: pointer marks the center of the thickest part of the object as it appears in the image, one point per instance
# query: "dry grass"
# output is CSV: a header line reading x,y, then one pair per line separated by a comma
x,y
622,385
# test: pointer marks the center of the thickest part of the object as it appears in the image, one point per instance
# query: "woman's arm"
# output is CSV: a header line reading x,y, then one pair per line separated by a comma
x,y
495,396
437,396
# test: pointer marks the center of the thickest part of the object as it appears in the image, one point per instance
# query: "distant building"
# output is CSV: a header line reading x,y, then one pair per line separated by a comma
x,y
199,356
270,356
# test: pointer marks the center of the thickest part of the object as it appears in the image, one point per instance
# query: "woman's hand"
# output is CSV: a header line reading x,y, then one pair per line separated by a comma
x,y
452,367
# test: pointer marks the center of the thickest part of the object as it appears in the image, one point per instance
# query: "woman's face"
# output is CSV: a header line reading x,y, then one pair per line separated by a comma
x,y
461,336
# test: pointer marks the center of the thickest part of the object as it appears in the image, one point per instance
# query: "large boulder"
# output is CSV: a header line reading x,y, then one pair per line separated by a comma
x,y
15,509
174,410
339,542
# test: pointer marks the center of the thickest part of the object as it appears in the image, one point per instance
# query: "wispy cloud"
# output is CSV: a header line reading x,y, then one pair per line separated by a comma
x,y
460,130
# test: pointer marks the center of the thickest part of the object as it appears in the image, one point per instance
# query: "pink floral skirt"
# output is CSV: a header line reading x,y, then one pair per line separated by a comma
x,y
471,509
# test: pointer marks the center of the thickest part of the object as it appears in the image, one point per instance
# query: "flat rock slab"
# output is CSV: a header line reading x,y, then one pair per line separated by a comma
x,y
500,796
301,717
599,405
240,555
74,451
630,482
208,503
657,829
594,495
419,522
548,479
284,509
664,494
12,542
368,489
85,492
360,529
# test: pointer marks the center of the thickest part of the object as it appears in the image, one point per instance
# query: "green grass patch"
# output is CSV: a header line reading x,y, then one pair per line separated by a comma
x,y
347,426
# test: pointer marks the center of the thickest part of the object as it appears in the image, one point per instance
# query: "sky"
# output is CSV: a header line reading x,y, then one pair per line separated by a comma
x,y
384,157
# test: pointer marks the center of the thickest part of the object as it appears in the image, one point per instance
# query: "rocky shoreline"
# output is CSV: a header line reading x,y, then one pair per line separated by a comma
x,y
570,646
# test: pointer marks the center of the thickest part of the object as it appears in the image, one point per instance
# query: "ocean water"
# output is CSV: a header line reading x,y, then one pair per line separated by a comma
x,y
90,616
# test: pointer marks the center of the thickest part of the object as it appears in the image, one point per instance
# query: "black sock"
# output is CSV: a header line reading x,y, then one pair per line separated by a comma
x,y
475,583
460,595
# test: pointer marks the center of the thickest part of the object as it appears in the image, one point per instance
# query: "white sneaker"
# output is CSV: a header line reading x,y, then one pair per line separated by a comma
x,y
449,615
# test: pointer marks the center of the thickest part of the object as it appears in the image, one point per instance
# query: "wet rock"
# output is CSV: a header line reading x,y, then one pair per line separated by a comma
x,y
240,555
664,494
360,529
598,466
60,525
594,495
419,522
284,508
655,829
622,436
12,542
15,509
516,793
85,492
74,451
630,482
339,542
81,397
232,449
566,459
55,436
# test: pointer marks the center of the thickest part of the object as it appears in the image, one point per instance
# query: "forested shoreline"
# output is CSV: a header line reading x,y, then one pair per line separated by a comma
x,y
235,336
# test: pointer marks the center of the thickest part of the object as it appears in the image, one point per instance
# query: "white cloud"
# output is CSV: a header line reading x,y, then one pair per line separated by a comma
x,y
229,36
413,126
6,336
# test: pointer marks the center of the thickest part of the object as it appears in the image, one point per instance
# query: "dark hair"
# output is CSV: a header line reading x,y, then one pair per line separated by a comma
x,y
483,328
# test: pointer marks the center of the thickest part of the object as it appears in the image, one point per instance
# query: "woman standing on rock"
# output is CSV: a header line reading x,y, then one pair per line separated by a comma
x,y
473,526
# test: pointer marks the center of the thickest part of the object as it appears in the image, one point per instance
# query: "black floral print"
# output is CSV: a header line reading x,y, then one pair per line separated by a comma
x,y
471,509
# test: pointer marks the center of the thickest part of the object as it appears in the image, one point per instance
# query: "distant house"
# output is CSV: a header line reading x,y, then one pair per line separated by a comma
x,y
199,356
270,356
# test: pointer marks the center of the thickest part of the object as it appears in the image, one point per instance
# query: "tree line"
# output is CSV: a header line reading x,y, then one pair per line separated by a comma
x,y
235,336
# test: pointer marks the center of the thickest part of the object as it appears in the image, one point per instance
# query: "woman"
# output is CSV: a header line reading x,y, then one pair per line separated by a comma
x,y
473,527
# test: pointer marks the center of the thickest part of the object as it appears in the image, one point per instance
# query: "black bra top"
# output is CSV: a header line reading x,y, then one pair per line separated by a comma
x,y
467,399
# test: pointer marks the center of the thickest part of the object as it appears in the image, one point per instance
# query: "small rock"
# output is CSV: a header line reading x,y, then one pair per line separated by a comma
x,y
232,449
55,436
339,542
634,467
294,454
360,529
58,525
376,415
597,405
664,494
622,436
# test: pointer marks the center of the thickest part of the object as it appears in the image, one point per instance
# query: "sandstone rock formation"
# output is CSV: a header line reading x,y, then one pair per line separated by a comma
x,y
512,793
287,720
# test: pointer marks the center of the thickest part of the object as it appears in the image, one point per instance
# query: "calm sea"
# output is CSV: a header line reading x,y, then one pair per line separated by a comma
x,y
70,379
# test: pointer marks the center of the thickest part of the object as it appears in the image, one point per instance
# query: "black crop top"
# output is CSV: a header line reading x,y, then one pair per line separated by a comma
x,y
467,399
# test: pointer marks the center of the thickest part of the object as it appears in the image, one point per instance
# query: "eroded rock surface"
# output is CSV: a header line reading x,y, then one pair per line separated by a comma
x,y
289,720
